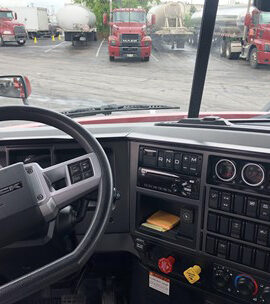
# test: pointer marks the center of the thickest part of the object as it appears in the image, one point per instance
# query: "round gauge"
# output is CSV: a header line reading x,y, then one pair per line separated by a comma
x,y
253,174
225,170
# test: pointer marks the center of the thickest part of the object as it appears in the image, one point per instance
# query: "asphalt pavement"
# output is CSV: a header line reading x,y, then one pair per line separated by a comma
x,y
65,77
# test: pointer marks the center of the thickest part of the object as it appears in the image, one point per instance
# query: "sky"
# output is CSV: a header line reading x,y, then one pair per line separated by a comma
x,y
59,3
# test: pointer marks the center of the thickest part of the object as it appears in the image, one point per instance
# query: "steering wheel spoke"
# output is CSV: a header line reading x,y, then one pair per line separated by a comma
x,y
57,186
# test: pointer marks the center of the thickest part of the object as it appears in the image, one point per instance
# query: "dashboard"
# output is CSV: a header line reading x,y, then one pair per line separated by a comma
x,y
219,186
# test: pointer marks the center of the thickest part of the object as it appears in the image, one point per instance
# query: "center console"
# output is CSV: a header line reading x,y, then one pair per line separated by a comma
x,y
223,203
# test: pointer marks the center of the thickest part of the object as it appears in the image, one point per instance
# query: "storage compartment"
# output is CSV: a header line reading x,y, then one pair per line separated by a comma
x,y
184,233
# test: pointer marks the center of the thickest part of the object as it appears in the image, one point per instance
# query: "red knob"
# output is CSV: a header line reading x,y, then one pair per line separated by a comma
x,y
166,264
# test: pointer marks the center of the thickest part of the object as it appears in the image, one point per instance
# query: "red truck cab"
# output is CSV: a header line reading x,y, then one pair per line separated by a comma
x,y
258,37
128,38
10,30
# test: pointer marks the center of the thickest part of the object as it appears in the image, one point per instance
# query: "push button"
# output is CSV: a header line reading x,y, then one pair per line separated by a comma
x,y
222,249
252,204
239,204
247,255
186,163
264,210
262,235
168,159
161,159
236,229
234,252
76,178
226,200
85,165
260,258
212,222
210,245
224,225
177,162
249,232
75,169
213,199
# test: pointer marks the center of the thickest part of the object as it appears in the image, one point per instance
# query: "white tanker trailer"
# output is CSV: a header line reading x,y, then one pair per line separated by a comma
x,y
78,23
169,25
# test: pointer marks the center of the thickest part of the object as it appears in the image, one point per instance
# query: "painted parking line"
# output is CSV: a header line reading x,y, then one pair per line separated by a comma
x,y
154,57
54,47
99,48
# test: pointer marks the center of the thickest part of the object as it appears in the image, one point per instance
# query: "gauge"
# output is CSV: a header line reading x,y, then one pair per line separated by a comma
x,y
225,170
253,174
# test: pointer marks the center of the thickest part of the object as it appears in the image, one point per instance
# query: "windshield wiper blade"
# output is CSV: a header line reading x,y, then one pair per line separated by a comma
x,y
109,109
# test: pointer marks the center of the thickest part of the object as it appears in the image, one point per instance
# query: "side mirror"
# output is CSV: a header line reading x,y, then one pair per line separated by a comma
x,y
105,19
153,19
262,5
248,20
16,16
15,87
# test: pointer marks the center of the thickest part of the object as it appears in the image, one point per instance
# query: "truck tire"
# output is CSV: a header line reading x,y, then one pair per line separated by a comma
x,y
111,58
253,58
146,59
229,53
21,43
2,42
222,49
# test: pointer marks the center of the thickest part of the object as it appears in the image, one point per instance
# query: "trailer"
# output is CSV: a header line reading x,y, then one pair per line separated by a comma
x,y
169,25
36,21
78,23
240,32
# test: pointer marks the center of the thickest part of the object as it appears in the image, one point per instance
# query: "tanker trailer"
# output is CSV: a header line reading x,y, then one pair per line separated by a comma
x,y
78,23
229,30
169,26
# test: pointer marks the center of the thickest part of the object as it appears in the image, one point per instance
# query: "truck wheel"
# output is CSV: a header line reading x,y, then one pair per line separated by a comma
x,y
253,58
146,59
111,58
222,48
229,54
2,42
21,43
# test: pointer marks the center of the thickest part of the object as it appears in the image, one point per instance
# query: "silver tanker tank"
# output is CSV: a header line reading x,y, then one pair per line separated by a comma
x,y
226,17
169,26
78,23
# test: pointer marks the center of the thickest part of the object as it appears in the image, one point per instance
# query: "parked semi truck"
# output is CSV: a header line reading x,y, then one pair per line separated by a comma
x,y
240,32
10,29
36,21
169,27
78,23
128,38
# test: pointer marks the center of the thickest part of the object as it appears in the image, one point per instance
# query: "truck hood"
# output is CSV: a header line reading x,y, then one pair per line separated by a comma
x,y
11,23
146,118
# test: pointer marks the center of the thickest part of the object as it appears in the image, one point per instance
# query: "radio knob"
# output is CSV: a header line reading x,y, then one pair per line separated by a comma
x,y
221,278
175,188
246,286
266,295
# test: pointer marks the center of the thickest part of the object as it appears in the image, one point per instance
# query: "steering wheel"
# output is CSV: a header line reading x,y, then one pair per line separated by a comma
x,y
28,199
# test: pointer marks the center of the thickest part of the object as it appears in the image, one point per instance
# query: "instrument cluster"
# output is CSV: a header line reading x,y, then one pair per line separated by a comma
x,y
239,173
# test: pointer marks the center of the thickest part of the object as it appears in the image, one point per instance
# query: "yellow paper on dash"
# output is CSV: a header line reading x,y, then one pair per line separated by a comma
x,y
163,219
160,229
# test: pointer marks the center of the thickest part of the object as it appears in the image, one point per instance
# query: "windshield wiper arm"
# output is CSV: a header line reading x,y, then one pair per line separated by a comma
x,y
109,109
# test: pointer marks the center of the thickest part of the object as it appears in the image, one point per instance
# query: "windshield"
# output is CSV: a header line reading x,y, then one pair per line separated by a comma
x,y
265,18
129,17
87,61
7,15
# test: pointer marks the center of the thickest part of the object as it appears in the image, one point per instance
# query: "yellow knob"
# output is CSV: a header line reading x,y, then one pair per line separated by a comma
x,y
192,274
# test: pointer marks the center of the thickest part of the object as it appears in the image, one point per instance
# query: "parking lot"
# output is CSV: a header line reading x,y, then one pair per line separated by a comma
x,y
65,77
